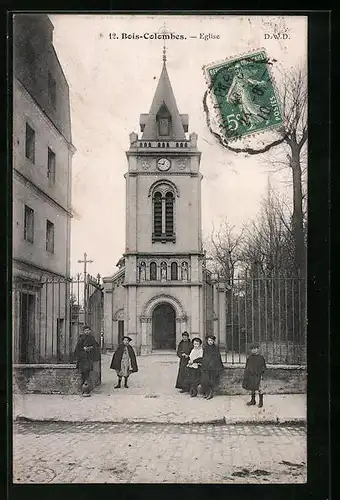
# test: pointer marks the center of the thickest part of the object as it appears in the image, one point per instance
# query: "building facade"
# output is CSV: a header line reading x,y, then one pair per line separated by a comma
x,y
42,157
162,287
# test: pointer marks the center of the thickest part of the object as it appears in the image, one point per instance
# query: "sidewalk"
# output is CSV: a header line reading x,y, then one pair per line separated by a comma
x,y
120,407
152,398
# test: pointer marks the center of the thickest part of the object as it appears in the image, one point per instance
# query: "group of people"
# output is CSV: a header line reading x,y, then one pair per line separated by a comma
x,y
199,366
202,366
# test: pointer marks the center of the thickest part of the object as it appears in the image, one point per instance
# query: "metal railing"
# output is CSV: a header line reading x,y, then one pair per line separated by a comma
x,y
49,314
271,310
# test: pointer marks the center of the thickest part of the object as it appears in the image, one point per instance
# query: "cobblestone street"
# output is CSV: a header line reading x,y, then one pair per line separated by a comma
x,y
144,453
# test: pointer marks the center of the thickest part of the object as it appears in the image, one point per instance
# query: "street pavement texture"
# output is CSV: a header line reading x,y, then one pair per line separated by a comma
x,y
152,398
55,452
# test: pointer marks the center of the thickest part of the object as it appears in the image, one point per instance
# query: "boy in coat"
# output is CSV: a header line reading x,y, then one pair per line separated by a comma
x,y
183,350
253,373
86,352
124,362
211,367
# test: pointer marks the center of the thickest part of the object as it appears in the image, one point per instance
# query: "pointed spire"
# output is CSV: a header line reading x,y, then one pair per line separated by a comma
x,y
164,97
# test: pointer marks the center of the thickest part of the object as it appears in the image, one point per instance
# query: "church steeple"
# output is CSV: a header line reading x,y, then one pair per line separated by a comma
x,y
164,120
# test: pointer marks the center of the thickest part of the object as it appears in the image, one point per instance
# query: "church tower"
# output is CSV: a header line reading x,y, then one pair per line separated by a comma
x,y
163,254
162,287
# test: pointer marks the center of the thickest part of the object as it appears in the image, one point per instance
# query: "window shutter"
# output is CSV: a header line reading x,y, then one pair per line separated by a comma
x,y
169,214
157,214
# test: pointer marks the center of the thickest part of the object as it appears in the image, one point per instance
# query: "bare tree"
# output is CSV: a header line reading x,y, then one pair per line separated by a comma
x,y
268,243
292,141
295,132
224,248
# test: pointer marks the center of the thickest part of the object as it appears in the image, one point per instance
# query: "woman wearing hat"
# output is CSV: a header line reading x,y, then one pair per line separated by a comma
x,y
183,350
124,361
211,367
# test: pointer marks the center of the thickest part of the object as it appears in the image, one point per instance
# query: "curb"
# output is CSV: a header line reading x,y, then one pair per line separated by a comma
x,y
293,421
218,422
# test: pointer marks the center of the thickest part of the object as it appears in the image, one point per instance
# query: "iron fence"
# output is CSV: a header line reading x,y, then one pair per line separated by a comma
x,y
49,314
271,310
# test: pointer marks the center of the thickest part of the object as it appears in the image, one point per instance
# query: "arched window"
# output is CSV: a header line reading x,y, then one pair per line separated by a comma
x,y
174,271
153,271
157,215
169,214
163,193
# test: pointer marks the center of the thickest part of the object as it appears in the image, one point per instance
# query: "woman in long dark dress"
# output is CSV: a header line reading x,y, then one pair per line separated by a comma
x,y
253,373
211,367
183,350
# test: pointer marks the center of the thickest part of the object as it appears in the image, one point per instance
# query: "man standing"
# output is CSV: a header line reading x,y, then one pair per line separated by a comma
x,y
86,352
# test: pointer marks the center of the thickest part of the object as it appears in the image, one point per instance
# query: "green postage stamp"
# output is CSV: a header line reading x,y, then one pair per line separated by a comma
x,y
244,96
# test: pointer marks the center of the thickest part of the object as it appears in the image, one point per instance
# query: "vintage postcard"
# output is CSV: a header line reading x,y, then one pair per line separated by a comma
x,y
159,248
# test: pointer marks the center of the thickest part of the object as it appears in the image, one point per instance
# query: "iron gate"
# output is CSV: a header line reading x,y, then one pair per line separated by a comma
x,y
49,314
271,310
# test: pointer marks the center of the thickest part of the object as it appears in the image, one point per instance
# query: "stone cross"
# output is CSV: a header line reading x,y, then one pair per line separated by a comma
x,y
85,262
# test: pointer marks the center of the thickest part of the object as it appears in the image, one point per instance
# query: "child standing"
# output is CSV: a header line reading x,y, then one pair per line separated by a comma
x,y
211,367
193,368
124,362
253,373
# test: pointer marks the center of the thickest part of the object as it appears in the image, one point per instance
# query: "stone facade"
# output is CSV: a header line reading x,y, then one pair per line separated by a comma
x,y
46,379
164,262
42,155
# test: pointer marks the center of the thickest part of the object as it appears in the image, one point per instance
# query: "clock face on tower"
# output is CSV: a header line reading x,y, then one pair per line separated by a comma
x,y
163,164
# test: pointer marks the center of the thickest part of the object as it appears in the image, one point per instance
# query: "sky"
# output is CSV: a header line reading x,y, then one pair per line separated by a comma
x,y
113,80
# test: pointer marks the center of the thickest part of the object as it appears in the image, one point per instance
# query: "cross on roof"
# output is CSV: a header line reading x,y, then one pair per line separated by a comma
x,y
164,31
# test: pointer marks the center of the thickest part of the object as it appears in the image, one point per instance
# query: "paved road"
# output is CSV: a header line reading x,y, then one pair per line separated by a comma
x,y
141,453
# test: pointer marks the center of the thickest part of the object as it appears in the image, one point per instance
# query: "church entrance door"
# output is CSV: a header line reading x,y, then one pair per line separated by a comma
x,y
163,327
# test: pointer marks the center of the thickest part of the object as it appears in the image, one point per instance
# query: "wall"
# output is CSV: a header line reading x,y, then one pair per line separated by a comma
x,y
46,136
46,379
34,57
278,379
50,379
35,253
114,300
